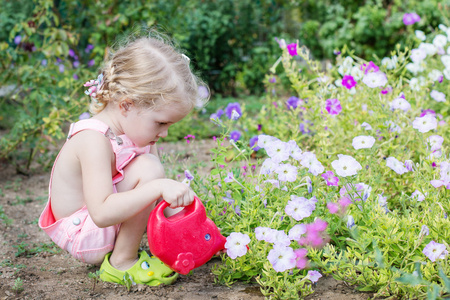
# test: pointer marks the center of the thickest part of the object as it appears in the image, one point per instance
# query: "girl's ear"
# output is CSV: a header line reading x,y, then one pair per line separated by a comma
x,y
125,105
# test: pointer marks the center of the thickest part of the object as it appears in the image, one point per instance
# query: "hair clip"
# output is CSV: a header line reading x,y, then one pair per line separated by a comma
x,y
94,86
186,58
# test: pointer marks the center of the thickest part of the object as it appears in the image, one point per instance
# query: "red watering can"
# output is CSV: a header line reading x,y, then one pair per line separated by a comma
x,y
186,240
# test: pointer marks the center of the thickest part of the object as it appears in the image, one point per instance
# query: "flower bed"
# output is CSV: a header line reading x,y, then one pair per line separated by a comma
x,y
350,177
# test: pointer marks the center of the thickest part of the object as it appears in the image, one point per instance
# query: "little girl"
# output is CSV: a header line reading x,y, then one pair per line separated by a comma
x,y
107,178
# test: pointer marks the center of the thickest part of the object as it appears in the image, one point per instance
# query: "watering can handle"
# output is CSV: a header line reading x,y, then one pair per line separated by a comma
x,y
159,210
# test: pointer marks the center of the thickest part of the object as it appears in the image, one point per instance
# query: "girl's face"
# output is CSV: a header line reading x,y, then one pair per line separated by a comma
x,y
144,126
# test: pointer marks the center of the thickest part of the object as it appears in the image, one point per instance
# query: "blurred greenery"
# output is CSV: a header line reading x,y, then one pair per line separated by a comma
x,y
49,48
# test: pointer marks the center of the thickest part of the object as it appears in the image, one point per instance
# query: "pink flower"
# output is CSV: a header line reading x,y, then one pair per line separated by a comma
x,y
300,257
333,207
369,67
330,178
292,49
410,18
345,201
333,106
189,138
348,81
315,234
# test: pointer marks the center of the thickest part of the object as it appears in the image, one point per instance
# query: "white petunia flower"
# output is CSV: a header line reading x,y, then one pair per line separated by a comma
x,y
346,165
366,126
440,41
264,140
278,151
420,35
446,61
435,75
294,150
396,165
363,142
429,49
417,55
425,123
435,142
375,79
400,103
286,172
438,96
236,244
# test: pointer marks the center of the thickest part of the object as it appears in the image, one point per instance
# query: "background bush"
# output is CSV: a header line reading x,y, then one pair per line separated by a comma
x,y
231,44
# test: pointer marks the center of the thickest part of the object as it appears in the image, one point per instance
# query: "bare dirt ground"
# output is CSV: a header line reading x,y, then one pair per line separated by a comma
x,y
31,268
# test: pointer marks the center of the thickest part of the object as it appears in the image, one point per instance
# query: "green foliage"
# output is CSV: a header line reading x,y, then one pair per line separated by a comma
x,y
370,28
18,285
4,218
24,249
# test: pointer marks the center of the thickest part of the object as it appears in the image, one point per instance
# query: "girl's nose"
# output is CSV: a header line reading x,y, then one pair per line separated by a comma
x,y
163,134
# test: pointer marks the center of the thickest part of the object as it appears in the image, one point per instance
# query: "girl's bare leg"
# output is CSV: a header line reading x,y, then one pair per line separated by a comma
x,y
142,169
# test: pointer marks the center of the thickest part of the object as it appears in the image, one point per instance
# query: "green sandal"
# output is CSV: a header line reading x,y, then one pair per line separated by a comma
x,y
148,270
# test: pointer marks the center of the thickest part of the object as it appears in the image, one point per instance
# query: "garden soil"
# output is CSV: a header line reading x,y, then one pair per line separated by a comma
x,y
30,269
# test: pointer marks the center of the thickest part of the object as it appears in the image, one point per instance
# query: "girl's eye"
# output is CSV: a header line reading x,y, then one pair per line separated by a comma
x,y
162,124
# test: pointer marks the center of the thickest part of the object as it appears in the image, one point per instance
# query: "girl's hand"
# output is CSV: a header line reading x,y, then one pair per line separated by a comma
x,y
177,194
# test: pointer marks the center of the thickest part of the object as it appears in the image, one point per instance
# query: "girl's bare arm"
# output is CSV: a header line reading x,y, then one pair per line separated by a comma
x,y
108,208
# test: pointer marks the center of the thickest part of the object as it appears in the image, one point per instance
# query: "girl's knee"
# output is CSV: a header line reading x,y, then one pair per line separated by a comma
x,y
142,169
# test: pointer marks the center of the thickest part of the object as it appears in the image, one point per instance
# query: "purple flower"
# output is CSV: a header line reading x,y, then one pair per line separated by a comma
x,y
203,92
84,116
235,135
292,49
89,47
428,112
273,79
44,62
333,106
76,64
336,52
234,106
75,76
17,39
330,178
254,143
91,63
314,276
348,81
410,18
219,113
71,53
293,102
188,175
61,68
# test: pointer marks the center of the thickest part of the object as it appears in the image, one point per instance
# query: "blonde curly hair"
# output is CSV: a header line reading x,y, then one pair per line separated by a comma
x,y
149,72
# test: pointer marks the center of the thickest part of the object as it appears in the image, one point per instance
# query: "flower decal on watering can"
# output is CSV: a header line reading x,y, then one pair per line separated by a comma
x,y
185,262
